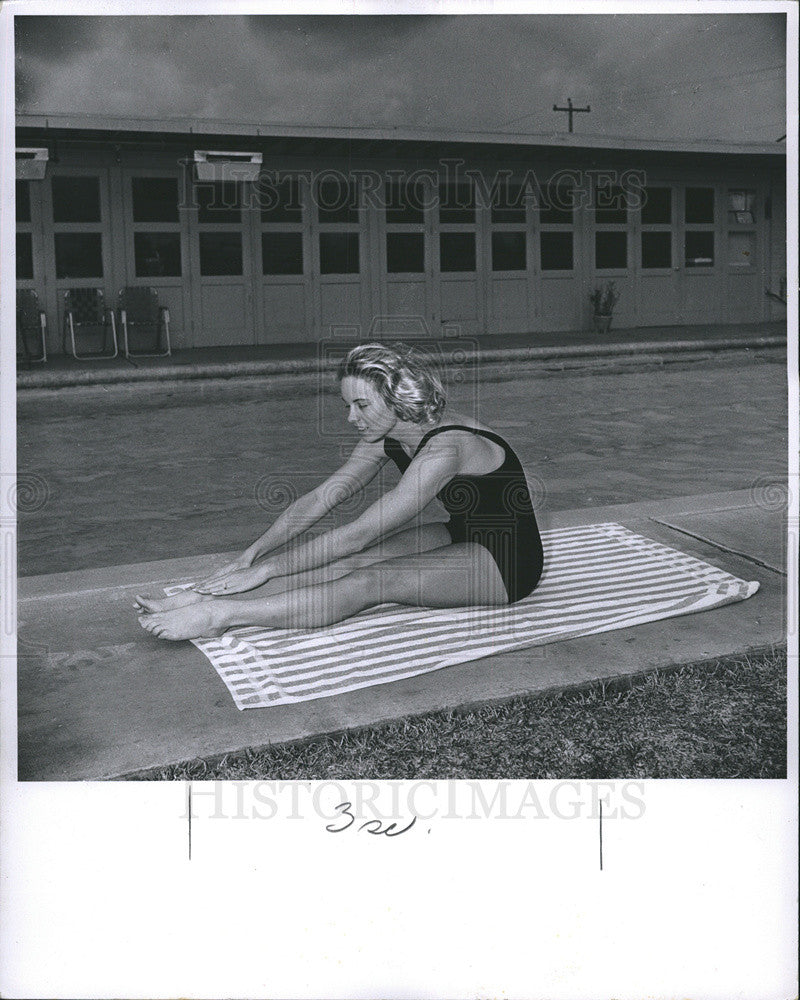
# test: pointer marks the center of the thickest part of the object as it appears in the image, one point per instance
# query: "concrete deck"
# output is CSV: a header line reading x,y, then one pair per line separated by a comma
x,y
99,698
574,346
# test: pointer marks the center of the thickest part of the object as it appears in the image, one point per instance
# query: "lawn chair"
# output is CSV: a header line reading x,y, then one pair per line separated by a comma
x,y
139,311
86,315
31,326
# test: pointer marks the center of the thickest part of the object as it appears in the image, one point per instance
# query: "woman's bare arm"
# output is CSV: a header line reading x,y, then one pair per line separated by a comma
x,y
427,474
360,469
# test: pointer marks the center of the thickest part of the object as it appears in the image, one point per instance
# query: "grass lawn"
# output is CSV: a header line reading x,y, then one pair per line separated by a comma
x,y
716,719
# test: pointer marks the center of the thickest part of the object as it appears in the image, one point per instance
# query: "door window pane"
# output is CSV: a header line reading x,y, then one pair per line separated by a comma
x,y
404,201
699,205
24,257
556,251
741,206
610,250
23,201
405,253
76,199
457,251
656,250
155,199
338,253
281,202
337,201
79,255
699,249
741,249
157,254
657,206
282,253
220,253
555,207
457,202
508,204
610,205
219,201
508,251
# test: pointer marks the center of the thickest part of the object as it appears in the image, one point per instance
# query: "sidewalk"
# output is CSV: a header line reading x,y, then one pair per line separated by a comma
x,y
98,698
304,358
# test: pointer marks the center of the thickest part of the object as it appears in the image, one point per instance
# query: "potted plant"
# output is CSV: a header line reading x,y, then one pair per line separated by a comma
x,y
603,298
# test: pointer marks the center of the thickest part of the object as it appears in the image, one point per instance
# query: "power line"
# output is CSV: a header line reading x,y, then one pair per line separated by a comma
x,y
686,85
676,89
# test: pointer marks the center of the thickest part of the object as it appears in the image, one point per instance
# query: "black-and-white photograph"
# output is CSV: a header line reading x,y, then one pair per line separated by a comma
x,y
377,395
404,406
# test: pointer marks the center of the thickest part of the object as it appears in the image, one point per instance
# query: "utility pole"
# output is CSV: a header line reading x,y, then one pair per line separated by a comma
x,y
571,110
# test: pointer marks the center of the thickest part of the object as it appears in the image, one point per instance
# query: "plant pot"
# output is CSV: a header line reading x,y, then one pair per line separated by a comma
x,y
602,322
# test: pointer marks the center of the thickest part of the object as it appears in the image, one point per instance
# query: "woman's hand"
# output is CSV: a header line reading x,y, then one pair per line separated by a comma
x,y
244,561
235,582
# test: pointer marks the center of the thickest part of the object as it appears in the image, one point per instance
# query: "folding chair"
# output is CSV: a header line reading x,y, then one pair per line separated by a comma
x,y
85,314
139,308
31,322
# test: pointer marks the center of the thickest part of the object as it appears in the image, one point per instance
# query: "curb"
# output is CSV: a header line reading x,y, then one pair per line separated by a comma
x,y
303,366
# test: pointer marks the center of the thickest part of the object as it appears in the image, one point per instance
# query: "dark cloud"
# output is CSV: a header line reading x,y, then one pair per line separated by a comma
x,y
663,75
55,39
344,30
327,41
42,41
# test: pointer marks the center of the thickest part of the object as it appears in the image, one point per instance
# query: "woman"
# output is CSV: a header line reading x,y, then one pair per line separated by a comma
x,y
489,553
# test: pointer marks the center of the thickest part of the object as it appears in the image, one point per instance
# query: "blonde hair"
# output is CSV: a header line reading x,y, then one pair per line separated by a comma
x,y
404,378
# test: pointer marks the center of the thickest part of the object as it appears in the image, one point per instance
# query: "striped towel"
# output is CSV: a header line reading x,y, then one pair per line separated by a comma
x,y
597,578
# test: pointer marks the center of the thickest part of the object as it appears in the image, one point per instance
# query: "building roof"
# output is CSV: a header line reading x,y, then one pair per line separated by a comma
x,y
212,127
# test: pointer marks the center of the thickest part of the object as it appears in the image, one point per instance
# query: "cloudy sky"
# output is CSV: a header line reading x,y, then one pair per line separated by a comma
x,y
693,76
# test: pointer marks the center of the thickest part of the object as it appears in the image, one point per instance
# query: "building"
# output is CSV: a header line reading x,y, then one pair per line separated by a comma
x,y
257,235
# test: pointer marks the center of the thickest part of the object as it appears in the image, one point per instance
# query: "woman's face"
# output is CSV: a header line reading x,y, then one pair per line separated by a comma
x,y
373,418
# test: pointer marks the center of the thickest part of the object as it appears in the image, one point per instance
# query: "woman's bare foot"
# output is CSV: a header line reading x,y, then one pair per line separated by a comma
x,y
194,621
179,600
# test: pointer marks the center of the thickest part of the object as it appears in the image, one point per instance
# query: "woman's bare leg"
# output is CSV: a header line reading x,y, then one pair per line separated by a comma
x,y
458,575
407,541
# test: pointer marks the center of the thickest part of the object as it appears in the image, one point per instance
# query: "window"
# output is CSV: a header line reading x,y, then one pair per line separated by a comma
x,y
610,250
220,253
457,251
610,205
656,250
657,206
24,257
556,204
76,199
405,253
337,201
281,202
699,205
457,203
282,253
556,251
508,251
219,201
508,204
23,201
404,201
79,255
699,249
740,207
157,254
155,199
338,253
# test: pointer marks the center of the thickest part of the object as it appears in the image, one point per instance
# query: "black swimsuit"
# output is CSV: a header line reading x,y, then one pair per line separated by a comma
x,y
493,510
